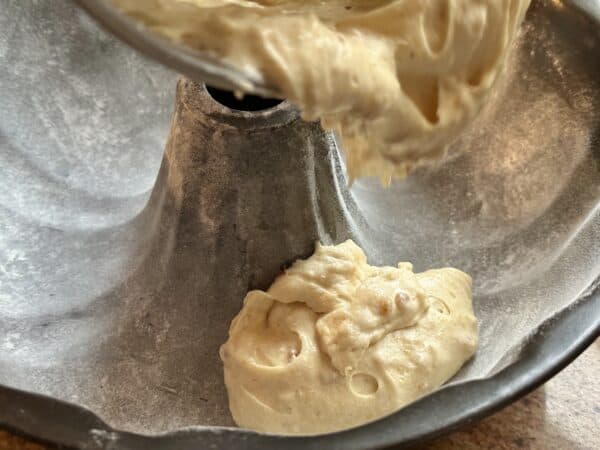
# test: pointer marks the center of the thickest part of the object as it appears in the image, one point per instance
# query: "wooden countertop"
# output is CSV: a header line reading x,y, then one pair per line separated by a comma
x,y
564,414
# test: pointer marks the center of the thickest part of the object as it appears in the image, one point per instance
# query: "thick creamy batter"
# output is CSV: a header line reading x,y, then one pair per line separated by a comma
x,y
336,342
399,79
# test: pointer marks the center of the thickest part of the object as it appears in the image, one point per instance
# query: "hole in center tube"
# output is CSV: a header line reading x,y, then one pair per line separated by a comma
x,y
247,103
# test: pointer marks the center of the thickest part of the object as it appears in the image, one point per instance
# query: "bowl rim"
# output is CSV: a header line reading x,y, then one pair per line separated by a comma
x,y
195,64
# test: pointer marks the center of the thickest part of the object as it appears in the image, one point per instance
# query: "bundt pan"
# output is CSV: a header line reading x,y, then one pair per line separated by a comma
x,y
131,230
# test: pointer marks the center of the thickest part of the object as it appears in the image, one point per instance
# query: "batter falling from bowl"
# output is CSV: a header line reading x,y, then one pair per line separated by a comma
x,y
399,79
336,342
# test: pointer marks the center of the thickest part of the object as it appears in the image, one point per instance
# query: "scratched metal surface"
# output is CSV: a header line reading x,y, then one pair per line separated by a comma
x,y
122,264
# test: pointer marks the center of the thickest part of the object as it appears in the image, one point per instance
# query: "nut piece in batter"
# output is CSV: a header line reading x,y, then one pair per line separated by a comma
x,y
335,342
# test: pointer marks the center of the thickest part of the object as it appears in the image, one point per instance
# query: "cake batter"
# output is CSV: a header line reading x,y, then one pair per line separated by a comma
x,y
336,342
399,79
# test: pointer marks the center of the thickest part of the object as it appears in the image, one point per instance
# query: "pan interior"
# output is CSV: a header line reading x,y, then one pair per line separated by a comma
x,y
118,280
